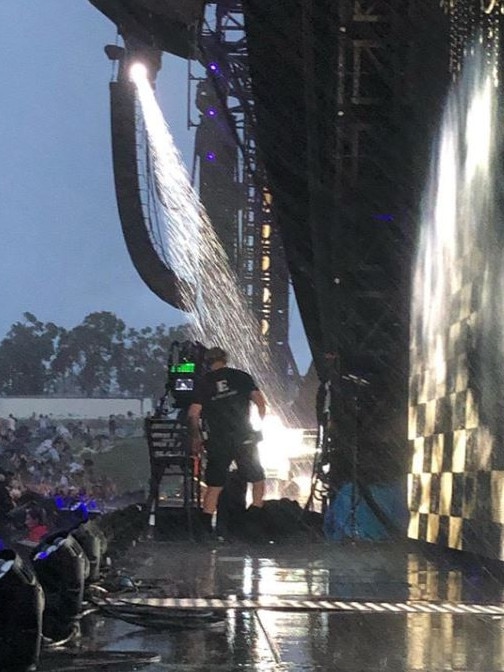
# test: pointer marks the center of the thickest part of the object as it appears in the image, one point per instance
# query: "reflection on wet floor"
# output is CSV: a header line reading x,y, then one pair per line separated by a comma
x,y
429,580
317,640
354,572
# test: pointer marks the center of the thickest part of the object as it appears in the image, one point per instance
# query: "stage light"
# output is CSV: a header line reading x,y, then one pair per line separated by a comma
x,y
384,217
61,568
94,545
72,514
214,68
210,156
211,112
21,607
138,72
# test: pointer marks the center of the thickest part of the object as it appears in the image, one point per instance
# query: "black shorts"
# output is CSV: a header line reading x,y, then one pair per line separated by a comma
x,y
220,454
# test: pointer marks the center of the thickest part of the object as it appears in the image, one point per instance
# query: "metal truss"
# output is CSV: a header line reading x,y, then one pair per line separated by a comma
x,y
369,101
378,131
258,258
372,242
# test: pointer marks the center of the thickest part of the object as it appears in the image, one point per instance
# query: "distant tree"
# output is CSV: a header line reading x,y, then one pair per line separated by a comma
x,y
144,359
89,353
100,356
26,354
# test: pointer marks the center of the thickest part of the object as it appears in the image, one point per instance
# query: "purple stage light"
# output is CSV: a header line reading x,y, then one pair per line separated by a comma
x,y
210,156
214,68
384,217
211,112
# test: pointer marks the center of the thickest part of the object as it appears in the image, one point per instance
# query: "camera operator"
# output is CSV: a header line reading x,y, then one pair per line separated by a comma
x,y
223,398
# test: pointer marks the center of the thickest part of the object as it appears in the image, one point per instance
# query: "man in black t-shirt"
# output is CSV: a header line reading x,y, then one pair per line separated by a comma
x,y
223,398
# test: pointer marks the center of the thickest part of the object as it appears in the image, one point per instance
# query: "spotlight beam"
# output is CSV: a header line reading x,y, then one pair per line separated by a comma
x,y
138,73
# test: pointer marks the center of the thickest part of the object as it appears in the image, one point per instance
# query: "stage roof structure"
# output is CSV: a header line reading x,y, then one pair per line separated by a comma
x,y
167,25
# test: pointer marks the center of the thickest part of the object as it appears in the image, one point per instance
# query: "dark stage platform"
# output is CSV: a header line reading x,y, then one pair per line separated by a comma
x,y
356,607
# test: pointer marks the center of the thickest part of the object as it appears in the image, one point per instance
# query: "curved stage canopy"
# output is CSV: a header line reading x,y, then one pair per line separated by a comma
x,y
153,271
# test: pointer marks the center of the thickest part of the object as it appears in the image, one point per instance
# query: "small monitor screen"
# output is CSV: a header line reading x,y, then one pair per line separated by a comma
x,y
184,367
184,384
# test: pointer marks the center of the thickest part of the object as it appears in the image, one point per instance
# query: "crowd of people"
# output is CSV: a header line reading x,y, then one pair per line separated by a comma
x,y
44,458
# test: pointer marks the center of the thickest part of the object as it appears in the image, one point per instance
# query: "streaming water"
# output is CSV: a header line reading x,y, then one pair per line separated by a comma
x,y
220,315
458,310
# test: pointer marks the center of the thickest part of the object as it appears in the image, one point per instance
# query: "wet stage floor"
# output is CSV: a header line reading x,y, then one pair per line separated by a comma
x,y
398,611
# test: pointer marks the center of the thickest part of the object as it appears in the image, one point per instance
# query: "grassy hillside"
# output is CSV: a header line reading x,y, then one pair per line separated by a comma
x,y
127,464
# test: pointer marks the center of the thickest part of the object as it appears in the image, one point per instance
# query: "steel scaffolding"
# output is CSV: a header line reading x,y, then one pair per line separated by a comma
x,y
242,216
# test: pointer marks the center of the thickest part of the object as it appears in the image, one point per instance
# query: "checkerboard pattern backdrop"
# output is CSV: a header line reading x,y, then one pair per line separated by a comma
x,y
456,481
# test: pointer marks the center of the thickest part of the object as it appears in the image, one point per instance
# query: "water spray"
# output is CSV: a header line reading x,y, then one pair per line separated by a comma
x,y
457,313
220,315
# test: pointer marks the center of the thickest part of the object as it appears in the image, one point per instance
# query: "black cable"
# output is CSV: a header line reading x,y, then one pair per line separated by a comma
x,y
394,530
49,644
318,477
91,661
159,618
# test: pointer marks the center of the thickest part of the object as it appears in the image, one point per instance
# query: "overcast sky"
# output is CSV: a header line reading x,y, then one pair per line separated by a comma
x,y
63,254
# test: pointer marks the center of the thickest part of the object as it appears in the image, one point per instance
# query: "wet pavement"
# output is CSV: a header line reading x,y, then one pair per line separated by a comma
x,y
393,614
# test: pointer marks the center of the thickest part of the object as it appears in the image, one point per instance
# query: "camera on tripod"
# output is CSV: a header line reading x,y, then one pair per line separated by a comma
x,y
166,431
186,364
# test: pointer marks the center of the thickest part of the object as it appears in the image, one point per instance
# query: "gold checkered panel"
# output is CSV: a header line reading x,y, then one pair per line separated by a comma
x,y
456,481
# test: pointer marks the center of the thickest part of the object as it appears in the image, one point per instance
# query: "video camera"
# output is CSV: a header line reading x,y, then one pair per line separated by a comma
x,y
186,364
